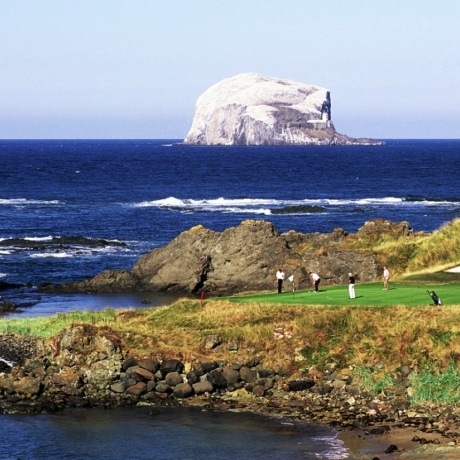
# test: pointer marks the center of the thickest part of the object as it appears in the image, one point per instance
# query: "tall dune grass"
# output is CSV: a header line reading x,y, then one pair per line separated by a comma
x,y
415,253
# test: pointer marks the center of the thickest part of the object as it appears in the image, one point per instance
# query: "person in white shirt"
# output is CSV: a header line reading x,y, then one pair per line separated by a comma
x,y
386,277
316,280
351,286
280,279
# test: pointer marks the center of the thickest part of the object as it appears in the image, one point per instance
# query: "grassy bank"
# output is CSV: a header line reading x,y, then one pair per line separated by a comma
x,y
371,336
416,254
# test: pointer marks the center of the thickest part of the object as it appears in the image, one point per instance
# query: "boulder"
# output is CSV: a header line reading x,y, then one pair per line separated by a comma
x,y
248,375
173,378
150,364
171,365
252,109
144,373
138,389
203,387
245,258
183,390
301,385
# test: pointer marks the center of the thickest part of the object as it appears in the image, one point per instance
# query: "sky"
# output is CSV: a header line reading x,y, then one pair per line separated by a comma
x,y
117,69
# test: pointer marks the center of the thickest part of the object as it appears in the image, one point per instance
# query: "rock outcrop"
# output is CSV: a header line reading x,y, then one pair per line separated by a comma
x,y
250,109
241,259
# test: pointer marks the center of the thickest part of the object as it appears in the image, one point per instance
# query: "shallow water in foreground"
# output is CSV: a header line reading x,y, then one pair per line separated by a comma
x,y
171,433
51,304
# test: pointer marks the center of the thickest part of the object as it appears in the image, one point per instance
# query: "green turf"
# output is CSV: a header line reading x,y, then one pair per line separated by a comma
x,y
371,294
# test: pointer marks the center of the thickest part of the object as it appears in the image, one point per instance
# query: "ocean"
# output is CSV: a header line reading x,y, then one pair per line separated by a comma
x,y
138,195
70,209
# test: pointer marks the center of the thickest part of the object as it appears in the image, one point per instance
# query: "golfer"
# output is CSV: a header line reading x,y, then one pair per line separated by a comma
x,y
316,280
351,286
386,277
280,279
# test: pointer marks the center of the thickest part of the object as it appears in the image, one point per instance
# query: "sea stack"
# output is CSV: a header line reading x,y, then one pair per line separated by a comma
x,y
251,109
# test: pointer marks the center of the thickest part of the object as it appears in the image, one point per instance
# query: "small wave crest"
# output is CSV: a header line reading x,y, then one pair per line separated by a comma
x,y
57,255
25,202
62,247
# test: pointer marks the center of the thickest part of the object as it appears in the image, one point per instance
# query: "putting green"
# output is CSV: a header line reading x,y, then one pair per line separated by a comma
x,y
371,294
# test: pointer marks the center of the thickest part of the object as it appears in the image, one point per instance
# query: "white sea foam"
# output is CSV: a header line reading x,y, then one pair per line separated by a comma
x,y
265,205
25,201
58,255
39,238
365,201
79,251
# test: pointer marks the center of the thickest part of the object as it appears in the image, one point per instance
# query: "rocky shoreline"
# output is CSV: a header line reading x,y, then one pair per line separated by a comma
x,y
85,366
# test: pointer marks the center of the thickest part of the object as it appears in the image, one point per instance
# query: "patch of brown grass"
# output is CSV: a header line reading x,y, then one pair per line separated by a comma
x,y
373,337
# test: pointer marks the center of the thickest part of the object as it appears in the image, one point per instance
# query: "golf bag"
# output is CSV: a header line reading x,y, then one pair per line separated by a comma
x,y
434,297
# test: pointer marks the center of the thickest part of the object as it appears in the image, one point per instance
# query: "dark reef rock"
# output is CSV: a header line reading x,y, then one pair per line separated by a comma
x,y
298,210
64,241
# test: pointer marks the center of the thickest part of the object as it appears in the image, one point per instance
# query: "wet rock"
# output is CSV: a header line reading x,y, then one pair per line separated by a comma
x,y
162,387
144,373
301,385
216,377
138,389
204,368
230,375
173,378
183,390
258,390
118,387
129,362
391,448
149,364
248,375
203,387
171,365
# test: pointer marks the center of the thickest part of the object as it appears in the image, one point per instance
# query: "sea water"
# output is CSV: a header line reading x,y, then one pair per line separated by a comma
x,y
168,434
139,195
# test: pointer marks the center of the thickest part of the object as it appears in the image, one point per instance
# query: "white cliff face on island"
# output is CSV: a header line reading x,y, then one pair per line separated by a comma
x,y
250,109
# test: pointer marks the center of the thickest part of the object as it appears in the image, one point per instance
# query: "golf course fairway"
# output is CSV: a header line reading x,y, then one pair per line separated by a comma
x,y
372,294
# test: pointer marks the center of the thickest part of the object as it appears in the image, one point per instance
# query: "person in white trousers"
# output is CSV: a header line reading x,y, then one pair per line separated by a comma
x,y
351,286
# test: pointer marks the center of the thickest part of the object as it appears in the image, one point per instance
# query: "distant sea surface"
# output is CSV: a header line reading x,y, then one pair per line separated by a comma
x,y
139,195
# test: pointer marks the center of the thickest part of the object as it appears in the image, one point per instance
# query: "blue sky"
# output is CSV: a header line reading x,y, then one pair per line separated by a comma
x,y
134,69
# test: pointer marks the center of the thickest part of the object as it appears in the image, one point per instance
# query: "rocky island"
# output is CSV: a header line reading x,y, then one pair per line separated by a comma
x,y
251,109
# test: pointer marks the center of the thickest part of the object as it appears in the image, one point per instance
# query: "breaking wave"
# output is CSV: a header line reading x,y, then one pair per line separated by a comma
x,y
26,202
268,206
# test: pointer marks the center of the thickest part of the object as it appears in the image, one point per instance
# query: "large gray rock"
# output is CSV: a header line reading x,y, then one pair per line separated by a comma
x,y
251,109
244,258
